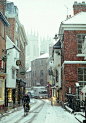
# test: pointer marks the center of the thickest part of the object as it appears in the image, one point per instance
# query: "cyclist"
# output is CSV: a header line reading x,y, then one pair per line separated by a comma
x,y
26,100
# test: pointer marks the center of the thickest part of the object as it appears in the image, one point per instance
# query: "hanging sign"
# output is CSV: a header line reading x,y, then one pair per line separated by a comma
x,y
18,62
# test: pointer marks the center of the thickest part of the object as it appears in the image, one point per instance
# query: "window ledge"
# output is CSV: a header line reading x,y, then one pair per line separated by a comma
x,y
80,55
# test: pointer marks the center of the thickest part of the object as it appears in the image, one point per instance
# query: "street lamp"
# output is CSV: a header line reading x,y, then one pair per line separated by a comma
x,y
55,37
77,94
77,89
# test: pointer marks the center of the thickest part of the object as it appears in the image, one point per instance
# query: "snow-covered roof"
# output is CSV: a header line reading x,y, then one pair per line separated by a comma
x,y
46,55
79,18
29,69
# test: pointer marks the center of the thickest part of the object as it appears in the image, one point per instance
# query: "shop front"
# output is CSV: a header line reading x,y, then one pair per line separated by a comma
x,y
2,90
20,90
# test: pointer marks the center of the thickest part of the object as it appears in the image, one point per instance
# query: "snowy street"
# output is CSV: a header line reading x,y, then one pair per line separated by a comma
x,y
41,112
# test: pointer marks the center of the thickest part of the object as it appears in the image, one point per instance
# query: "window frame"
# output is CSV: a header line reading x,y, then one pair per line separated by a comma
x,y
41,73
41,62
80,41
82,82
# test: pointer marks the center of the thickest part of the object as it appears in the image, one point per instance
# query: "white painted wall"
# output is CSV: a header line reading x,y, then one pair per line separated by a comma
x,y
13,55
57,66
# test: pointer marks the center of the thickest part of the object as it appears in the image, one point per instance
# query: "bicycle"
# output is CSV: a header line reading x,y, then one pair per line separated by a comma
x,y
26,110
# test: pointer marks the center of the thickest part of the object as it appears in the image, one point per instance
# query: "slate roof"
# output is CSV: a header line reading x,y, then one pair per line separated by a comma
x,y
57,45
2,17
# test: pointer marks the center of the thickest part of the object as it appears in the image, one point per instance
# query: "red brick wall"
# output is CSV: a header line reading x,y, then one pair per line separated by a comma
x,y
2,40
70,46
10,31
69,52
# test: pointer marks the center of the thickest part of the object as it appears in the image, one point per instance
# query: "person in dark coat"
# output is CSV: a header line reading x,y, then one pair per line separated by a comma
x,y
26,99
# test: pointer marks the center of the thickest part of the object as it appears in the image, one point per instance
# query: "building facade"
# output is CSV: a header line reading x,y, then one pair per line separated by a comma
x,y
17,35
28,80
72,34
45,44
3,24
39,70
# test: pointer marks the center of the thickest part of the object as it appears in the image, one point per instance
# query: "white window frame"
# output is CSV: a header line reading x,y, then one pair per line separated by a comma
x,y
80,40
82,82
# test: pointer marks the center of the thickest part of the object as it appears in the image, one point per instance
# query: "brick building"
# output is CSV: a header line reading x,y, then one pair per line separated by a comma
x,y
72,34
3,24
17,35
39,70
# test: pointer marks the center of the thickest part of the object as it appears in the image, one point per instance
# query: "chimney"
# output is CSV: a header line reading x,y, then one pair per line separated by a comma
x,y
78,7
2,6
68,16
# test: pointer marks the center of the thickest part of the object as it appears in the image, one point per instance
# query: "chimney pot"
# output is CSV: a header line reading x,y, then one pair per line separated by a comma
x,y
75,3
83,2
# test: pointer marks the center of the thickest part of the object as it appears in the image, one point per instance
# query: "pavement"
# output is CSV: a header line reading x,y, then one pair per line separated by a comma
x,y
7,110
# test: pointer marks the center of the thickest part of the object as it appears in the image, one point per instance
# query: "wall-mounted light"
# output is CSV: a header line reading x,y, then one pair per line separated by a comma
x,y
55,37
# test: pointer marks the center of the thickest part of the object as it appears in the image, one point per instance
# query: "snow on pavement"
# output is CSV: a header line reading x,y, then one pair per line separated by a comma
x,y
54,114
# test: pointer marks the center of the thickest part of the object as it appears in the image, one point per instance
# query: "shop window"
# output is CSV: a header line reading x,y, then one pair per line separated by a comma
x,y
9,95
0,89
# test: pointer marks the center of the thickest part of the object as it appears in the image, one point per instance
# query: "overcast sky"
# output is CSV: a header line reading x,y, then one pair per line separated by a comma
x,y
44,16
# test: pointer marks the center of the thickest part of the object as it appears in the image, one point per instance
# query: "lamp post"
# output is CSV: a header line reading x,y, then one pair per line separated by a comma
x,y
77,94
77,89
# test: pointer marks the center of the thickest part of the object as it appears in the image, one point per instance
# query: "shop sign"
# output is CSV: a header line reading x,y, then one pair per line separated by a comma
x,y
1,77
23,71
18,62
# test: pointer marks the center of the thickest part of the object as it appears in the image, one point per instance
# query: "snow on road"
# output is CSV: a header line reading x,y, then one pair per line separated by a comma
x,y
44,114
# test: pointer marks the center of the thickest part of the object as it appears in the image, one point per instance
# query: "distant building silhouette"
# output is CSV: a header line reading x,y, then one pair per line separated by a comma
x,y
32,49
